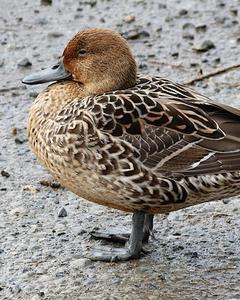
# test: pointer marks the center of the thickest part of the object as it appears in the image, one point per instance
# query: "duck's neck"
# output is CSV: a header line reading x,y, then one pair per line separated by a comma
x,y
55,97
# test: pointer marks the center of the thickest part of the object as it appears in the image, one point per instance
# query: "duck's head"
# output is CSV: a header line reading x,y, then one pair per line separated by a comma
x,y
99,59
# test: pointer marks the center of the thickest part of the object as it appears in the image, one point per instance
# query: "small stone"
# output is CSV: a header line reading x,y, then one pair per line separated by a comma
x,y
30,189
221,4
55,34
216,61
183,12
33,94
19,141
15,94
175,54
46,2
194,64
162,6
59,229
201,28
142,66
1,63
25,62
226,201
14,131
188,36
188,26
81,232
62,213
194,255
92,3
129,19
52,184
56,201
205,46
136,34
80,263
177,248
41,293
177,233
234,12
5,174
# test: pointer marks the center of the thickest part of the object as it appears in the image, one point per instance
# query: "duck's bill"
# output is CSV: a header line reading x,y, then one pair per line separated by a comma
x,y
54,73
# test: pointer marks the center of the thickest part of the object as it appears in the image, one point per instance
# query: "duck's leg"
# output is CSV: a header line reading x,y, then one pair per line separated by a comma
x,y
122,238
134,245
148,227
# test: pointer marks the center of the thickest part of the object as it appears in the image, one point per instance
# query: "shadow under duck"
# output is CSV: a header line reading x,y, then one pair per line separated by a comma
x,y
140,144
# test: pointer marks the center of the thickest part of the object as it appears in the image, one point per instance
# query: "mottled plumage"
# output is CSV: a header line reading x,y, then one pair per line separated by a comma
x,y
152,147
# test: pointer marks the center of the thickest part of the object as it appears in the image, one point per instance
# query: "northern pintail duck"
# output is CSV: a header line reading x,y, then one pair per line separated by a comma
x,y
141,144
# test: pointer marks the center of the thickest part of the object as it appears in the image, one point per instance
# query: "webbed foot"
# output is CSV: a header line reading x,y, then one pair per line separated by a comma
x,y
142,225
121,238
113,254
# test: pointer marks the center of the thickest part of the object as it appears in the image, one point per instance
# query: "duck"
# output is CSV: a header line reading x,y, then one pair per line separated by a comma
x,y
137,143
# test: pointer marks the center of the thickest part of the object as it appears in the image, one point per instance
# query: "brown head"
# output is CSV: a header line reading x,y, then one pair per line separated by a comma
x,y
100,59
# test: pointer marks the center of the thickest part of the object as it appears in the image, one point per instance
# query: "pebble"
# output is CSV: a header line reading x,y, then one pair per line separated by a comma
x,y
52,184
60,230
56,201
19,141
1,63
129,19
92,3
234,12
80,263
175,54
216,61
5,174
177,248
188,36
194,64
33,94
188,26
46,2
136,34
25,62
62,213
30,189
162,6
226,201
201,28
14,131
41,293
55,34
205,46
183,12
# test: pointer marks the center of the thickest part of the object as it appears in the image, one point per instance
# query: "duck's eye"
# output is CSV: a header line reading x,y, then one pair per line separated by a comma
x,y
82,52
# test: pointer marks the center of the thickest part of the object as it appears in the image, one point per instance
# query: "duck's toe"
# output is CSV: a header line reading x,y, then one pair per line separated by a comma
x,y
113,254
121,238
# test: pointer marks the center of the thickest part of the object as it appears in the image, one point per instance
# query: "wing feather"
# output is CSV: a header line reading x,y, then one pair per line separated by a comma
x,y
172,129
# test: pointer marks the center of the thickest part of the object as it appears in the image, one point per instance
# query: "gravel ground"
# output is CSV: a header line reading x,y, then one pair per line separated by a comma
x,y
196,253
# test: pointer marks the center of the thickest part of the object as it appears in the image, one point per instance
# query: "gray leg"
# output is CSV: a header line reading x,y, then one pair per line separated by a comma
x,y
135,243
122,238
148,227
